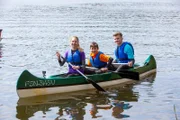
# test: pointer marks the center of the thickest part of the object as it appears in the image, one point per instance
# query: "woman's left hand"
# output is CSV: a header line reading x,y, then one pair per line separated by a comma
x,y
75,67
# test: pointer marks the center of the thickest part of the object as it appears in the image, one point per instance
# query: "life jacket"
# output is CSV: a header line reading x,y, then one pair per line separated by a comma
x,y
96,61
122,57
74,58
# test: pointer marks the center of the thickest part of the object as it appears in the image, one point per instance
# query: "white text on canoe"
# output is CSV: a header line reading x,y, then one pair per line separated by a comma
x,y
39,83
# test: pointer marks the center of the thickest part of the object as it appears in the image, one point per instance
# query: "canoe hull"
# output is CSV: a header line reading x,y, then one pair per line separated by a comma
x,y
22,93
29,85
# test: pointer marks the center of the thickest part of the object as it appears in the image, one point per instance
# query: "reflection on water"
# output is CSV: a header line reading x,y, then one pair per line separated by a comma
x,y
81,105
66,107
1,46
0,50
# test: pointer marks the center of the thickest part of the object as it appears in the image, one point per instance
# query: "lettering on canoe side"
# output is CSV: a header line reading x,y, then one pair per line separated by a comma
x,y
39,83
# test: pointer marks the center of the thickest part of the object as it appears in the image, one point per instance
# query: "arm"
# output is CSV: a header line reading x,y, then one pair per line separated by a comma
x,y
83,64
108,59
129,51
83,60
60,60
109,62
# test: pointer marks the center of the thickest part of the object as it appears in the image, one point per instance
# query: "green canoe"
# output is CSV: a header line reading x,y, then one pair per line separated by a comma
x,y
29,85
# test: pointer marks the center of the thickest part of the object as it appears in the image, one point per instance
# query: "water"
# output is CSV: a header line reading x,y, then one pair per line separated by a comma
x,y
33,32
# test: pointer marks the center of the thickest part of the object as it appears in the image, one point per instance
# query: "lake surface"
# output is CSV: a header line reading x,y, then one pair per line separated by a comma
x,y
32,33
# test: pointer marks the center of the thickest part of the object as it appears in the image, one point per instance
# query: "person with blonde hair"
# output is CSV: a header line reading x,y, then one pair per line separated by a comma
x,y
75,56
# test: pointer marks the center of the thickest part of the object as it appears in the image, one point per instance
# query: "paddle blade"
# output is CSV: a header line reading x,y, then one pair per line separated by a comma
x,y
129,74
96,85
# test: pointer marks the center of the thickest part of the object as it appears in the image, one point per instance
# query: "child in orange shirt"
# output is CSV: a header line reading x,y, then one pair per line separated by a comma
x,y
98,60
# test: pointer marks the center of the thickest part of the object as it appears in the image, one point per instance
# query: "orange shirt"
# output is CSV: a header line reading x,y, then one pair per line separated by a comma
x,y
102,57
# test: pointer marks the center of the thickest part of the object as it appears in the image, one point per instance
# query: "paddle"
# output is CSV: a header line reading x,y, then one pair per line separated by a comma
x,y
125,73
88,79
128,74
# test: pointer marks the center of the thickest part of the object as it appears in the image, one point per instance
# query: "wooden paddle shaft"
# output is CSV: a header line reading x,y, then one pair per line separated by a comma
x,y
120,63
78,71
